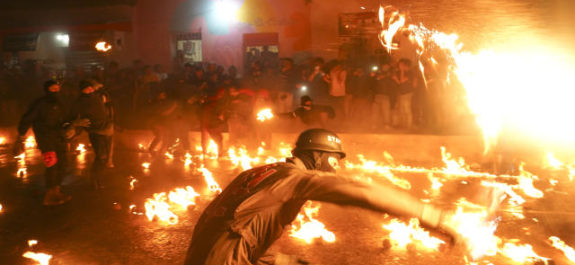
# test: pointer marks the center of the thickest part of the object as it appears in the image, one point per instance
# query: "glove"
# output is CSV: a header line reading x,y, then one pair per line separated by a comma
x,y
80,123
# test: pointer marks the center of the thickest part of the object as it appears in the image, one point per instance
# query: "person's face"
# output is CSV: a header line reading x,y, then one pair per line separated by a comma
x,y
307,105
55,88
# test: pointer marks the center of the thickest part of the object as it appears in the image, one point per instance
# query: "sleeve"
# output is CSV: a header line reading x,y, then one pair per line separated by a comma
x,y
372,196
28,118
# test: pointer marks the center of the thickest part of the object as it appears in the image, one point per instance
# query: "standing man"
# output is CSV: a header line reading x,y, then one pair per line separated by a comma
x,y
241,223
46,117
89,105
106,98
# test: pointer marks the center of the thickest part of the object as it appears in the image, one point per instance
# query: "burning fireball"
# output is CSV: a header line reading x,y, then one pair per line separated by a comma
x,y
103,46
264,115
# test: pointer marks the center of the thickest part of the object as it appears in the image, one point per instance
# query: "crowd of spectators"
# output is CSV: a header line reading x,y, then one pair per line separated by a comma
x,y
386,97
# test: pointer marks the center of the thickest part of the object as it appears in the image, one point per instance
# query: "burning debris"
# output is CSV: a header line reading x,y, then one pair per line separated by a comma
x,y
402,234
307,228
40,258
567,250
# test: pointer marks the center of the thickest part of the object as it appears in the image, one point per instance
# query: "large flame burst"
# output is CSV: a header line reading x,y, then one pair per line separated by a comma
x,y
521,85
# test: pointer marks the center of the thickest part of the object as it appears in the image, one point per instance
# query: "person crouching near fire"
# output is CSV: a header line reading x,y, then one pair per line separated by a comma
x,y
251,213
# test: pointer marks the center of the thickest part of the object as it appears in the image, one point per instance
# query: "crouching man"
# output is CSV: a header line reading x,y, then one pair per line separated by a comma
x,y
251,213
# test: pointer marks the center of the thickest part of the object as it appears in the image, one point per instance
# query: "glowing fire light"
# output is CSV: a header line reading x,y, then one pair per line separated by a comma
x,y
552,161
188,160
133,183
2,140
184,197
1,208
146,165
520,253
30,142
158,207
41,258
103,46
307,228
213,186
169,155
32,242
402,234
567,250
81,148
265,114
475,231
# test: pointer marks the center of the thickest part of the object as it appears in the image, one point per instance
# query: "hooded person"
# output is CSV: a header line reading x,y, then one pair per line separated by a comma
x,y
90,106
46,117
253,211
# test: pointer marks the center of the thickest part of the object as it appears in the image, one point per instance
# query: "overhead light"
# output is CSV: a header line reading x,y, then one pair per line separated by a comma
x,y
63,39
363,7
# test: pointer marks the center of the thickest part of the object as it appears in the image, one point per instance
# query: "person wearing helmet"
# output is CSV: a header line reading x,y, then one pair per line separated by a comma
x,y
242,222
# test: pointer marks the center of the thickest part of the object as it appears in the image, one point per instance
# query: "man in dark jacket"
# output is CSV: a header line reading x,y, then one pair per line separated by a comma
x,y
89,105
46,117
311,115
241,223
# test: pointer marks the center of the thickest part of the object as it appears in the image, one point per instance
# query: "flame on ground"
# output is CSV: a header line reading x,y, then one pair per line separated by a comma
x,y
307,228
158,207
402,234
567,250
213,186
41,258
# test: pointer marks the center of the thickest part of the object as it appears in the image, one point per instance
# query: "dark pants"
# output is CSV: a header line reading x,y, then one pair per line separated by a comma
x,y
100,145
55,173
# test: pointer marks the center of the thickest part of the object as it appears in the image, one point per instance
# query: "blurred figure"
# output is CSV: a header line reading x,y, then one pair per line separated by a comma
x,y
337,78
381,108
160,72
312,116
318,88
90,106
406,83
46,116
166,124
360,87
239,117
106,98
289,78
212,123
